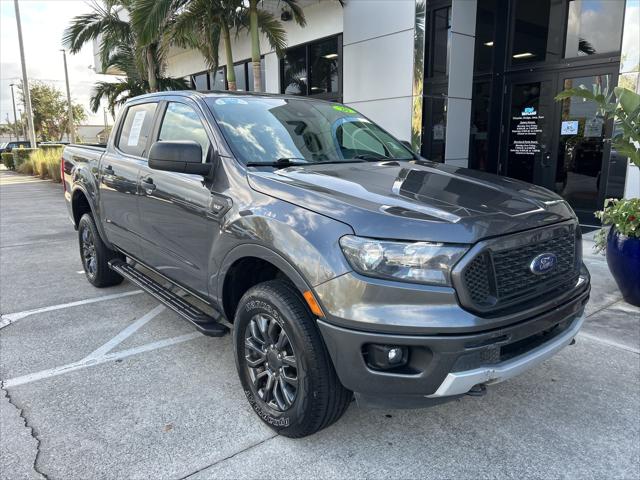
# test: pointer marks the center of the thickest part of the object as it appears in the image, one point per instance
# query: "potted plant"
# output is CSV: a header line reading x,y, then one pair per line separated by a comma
x,y
619,237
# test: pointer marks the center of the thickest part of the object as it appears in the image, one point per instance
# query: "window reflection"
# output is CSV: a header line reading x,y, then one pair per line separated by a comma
x,y
181,122
267,129
295,71
593,26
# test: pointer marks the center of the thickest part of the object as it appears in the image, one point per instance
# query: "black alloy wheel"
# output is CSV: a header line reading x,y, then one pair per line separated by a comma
x,y
271,362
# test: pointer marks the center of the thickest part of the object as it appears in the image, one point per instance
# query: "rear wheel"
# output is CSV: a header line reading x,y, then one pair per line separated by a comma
x,y
95,255
284,367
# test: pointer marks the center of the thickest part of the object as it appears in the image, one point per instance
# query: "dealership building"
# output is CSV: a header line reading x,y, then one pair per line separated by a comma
x,y
468,82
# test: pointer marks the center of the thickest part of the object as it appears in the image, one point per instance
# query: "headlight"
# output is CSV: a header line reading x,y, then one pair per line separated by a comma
x,y
421,262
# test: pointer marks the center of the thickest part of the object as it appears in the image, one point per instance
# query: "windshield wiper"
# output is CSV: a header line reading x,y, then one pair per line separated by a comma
x,y
281,162
370,158
291,162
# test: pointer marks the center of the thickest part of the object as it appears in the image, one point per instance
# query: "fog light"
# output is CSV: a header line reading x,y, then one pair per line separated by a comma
x,y
386,357
395,355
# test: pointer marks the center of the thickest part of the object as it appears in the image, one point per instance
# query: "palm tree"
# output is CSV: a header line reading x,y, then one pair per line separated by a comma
x,y
200,24
256,20
121,46
131,85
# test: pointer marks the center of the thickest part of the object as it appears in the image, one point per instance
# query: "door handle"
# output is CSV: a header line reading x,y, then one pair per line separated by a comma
x,y
546,160
148,185
108,174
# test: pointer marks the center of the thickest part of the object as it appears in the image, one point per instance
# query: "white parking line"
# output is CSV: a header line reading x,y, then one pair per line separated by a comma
x,y
90,362
10,318
608,342
124,334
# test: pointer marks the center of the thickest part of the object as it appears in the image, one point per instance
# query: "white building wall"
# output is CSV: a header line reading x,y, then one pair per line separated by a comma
x,y
324,18
463,30
378,61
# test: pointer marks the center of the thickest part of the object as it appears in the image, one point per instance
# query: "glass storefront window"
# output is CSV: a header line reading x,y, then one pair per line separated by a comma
x,y
479,134
485,35
200,82
531,30
435,127
313,69
217,79
294,78
250,75
323,66
241,77
593,26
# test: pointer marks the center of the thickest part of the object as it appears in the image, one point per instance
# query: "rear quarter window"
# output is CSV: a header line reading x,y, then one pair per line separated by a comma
x,y
136,129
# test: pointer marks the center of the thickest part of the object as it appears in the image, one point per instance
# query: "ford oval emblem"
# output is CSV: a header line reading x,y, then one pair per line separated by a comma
x,y
543,263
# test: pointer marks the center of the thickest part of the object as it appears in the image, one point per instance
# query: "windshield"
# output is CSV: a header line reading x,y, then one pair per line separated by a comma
x,y
265,130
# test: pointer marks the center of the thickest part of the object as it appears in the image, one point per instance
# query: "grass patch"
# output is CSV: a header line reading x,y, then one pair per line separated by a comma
x,y
43,163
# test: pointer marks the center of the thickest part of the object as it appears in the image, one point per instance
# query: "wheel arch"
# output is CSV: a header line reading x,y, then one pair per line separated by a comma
x,y
81,203
266,265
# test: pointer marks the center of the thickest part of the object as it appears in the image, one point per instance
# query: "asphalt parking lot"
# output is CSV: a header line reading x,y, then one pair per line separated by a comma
x,y
108,384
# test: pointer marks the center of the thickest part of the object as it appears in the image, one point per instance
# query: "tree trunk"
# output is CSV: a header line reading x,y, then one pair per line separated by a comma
x,y
255,45
151,70
231,74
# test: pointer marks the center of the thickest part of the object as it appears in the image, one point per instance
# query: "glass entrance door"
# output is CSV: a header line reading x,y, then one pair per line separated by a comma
x,y
583,152
563,146
528,133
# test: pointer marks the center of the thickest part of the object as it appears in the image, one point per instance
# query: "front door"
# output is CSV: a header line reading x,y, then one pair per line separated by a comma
x,y
582,169
563,146
527,133
178,224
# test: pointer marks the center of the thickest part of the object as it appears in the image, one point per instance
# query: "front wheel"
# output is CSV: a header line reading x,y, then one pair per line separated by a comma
x,y
282,362
95,255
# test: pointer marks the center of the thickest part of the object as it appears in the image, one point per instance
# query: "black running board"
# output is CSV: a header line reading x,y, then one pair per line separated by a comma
x,y
204,323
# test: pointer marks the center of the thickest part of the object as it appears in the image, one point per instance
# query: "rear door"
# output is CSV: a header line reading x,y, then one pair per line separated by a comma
x,y
178,224
118,177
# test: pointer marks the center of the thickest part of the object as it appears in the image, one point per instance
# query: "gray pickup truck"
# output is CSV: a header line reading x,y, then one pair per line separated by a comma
x,y
342,262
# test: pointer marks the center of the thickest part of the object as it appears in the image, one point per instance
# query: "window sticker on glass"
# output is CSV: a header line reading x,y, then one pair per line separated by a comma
x,y
343,109
569,127
136,127
593,127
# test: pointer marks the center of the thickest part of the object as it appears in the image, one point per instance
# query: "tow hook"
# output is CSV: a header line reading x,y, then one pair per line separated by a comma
x,y
479,390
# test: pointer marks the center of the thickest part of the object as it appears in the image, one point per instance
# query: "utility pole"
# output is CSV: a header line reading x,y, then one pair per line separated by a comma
x,y
71,131
9,121
15,117
25,80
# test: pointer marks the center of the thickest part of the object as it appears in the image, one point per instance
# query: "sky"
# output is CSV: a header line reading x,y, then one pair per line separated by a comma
x,y
43,22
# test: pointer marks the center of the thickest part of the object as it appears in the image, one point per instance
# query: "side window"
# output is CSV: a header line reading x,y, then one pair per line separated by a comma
x,y
181,122
137,128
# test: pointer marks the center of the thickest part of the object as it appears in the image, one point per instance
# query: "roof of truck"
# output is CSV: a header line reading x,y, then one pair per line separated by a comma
x,y
221,93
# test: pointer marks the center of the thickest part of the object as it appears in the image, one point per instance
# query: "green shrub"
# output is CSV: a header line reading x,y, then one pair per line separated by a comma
x,y
7,160
21,156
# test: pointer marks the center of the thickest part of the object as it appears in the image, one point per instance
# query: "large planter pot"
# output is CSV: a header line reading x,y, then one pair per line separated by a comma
x,y
623,258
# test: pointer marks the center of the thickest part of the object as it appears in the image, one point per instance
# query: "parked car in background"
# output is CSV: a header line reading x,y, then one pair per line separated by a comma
x,y
341,261
7,147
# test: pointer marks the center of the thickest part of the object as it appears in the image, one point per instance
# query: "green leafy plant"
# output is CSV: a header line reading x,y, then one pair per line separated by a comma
x,y
623,215
623,105
20,156
7,160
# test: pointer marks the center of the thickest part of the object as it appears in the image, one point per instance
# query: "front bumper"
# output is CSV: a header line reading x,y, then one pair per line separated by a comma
x,y
447,364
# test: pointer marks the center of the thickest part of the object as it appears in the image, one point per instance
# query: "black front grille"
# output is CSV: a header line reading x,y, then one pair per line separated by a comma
x,y
498,277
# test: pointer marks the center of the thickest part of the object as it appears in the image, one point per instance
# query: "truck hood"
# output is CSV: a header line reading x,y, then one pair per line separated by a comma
x,y
415,200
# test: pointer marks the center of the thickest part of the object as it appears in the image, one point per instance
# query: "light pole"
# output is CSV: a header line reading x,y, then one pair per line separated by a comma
x,y
71,132
25,80
15,117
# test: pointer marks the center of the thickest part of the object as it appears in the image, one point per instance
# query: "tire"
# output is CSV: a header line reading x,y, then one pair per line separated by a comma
x,y
318,398
95,255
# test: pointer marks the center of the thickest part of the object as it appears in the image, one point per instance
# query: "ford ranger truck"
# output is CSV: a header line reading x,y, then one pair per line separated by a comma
x,y
342,263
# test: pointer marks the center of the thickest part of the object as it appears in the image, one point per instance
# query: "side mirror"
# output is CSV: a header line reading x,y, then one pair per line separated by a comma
x,y
178,156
